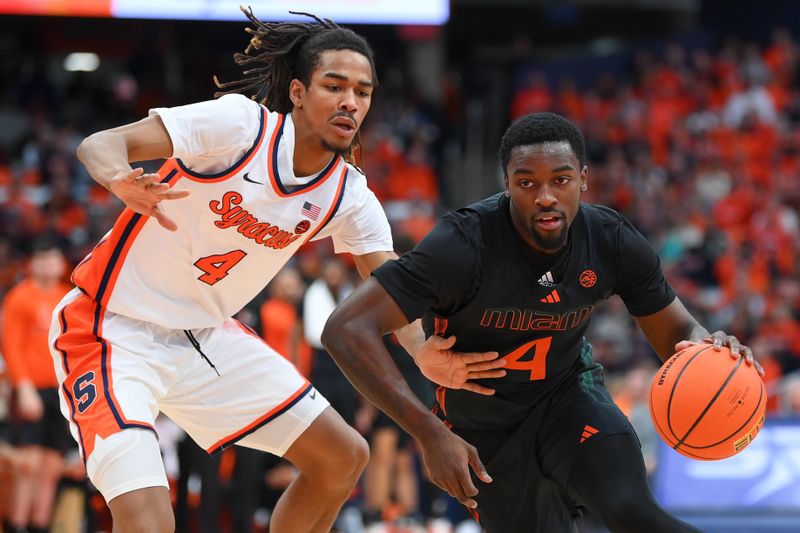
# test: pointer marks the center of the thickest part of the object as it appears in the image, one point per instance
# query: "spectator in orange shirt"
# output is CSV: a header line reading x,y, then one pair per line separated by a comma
x,y
281,326
37,426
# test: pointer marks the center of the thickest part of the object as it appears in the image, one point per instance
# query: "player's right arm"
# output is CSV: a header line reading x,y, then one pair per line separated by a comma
x,y
353,336
107,156
440,274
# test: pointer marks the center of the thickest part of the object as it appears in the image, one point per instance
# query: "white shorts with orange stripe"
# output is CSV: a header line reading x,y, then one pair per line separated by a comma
x,y
222,385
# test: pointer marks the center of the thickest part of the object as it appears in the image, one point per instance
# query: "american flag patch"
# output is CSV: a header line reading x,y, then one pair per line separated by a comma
x,y
310,210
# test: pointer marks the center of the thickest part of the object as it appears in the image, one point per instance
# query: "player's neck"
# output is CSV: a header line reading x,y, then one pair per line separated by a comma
x,y
310,156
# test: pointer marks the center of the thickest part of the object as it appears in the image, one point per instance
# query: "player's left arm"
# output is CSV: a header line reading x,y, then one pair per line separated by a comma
x,y
673,329
445,367
661,315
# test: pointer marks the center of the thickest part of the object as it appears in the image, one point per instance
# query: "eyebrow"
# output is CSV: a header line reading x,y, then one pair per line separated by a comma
x,y
562,168
342,77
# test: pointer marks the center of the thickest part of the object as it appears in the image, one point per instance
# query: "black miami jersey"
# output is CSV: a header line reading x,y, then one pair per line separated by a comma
x,y
475,277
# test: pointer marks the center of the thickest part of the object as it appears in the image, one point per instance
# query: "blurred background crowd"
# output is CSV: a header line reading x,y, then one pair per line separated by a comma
x,y
692,132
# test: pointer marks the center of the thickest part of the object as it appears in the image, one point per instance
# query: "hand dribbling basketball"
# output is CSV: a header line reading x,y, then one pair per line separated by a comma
x,y
708,401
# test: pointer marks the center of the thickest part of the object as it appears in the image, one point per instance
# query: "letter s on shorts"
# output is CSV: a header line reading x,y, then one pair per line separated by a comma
x,y
85,392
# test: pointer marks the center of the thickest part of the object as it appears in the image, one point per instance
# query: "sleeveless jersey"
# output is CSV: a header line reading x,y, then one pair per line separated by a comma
x,y
236,230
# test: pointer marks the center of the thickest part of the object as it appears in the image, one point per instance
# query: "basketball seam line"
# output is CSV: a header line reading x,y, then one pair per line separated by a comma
x,y
714,399
674,386
744,425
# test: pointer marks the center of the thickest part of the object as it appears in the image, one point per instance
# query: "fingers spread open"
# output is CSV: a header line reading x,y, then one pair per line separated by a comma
x,y
480,389
466,492
486,365
174,194
683,345
486,374
477,467
133,175
163,219
148,179
442,343
490,358
734,345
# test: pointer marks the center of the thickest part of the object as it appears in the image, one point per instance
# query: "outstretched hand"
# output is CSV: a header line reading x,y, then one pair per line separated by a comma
x,y
719,339
447,459
143,194
457,370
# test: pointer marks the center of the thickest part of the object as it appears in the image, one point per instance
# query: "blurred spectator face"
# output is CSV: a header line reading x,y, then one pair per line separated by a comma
x,y
637,383
287,286
334,273
544,182
792,396
47,266
336,100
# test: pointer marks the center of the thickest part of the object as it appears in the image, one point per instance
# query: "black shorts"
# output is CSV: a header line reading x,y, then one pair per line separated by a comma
x,y
51,431
530,464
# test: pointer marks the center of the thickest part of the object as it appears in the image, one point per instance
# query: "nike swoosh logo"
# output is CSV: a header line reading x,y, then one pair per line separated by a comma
x,y
251,181
313,393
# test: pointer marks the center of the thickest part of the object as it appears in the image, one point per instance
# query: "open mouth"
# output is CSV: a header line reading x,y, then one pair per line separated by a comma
x,y
549,222
344,126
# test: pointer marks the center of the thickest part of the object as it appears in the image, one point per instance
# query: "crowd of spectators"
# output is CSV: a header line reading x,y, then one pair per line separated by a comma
x,y
699,148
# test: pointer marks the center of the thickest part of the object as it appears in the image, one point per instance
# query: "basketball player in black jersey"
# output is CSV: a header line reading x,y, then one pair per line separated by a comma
x,y
520,273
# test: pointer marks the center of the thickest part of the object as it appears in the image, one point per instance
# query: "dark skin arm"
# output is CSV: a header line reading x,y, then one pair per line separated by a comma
x,y
674,328
353,336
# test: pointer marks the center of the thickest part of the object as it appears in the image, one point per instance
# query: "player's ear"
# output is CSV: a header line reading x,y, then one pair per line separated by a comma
x,y
584,177
505,182
297,92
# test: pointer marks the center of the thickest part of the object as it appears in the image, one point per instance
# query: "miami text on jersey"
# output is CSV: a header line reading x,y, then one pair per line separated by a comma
x,y
262,232
530,320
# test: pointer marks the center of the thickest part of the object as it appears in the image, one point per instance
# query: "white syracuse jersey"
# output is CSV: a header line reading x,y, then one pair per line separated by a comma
x,y
237,228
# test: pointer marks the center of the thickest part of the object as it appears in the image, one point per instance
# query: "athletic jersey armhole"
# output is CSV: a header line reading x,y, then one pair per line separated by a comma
x,y
246,157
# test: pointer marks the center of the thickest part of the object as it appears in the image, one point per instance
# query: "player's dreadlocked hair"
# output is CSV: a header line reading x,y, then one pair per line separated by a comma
x,y
538,128
288,50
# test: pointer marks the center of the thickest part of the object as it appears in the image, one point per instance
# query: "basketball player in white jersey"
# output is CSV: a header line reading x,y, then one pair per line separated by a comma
x,y
149,326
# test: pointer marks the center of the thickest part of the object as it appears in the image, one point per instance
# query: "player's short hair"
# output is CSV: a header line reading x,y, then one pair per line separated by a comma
x,y
538,128
282,51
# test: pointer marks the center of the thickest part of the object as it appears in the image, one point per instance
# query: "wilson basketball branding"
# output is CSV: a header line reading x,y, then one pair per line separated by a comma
x,y
751,435
706,404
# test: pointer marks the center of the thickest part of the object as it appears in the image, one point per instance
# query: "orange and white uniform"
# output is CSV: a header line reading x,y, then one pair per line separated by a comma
x,y
149,326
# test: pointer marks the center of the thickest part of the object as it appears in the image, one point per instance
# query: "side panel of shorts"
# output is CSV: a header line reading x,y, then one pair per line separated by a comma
x,y
249,388
582,411
104,387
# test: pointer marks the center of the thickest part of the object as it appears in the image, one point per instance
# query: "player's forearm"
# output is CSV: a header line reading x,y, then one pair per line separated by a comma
x,y
359,351
411,337
695,332
104,154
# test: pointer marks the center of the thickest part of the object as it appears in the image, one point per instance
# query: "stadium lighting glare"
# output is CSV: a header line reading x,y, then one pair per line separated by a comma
x,y
81,62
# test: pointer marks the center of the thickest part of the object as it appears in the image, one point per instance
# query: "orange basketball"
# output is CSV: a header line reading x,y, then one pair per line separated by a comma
x,y
707,405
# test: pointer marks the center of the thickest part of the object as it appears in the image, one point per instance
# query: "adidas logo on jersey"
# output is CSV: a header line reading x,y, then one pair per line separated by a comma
x,y
547,280
588,431
551,298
